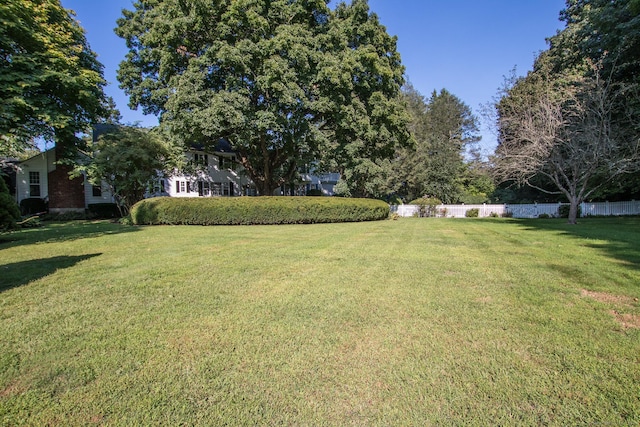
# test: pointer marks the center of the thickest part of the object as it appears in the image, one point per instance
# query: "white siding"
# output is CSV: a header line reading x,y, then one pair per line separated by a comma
x,y
41,163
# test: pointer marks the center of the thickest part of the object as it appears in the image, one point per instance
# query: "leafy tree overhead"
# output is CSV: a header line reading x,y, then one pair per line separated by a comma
x,y
283,81
52,84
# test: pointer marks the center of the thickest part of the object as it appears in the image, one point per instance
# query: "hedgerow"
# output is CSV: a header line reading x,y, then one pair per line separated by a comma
x,y
256,210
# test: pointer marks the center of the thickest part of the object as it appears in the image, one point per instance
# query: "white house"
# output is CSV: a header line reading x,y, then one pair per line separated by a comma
x,y
219,173
42,177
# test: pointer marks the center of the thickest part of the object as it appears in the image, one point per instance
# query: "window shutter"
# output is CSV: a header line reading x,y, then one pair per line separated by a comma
x,y
177,186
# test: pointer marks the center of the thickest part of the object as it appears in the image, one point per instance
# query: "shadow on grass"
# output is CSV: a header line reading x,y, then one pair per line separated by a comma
x,y
621,234
24,272
53,232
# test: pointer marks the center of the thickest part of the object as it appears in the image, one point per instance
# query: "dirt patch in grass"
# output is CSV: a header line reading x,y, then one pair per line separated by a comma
x,y
626,320
609,298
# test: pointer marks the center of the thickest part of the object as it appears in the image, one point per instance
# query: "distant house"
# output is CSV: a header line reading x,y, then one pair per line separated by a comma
x,y
218,173
42,177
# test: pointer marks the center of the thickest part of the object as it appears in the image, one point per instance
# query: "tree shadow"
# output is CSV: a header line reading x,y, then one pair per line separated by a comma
x,y
21,273
621,234
53,232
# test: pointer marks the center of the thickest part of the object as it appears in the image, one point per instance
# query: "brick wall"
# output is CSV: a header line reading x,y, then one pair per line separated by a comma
x,y
65,194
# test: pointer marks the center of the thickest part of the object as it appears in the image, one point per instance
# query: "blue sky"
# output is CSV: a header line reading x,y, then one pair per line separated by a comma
x,y
464,46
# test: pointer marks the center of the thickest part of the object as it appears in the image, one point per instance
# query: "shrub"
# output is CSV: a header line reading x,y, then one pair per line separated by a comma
x,y
472,213
494,215
256,210
427,205
9,211
32,206
314,192
103,210
563,211
507,214
544,216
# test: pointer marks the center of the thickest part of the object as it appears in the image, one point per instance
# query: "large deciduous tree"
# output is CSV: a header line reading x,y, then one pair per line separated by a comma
x,y
51,84
286,82
570,126
362,114
574,129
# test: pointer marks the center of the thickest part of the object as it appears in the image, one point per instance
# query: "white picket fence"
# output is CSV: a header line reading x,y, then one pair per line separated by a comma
x,y
525,210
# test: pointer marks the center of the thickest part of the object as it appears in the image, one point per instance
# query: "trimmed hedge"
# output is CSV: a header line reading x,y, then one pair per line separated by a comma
x,y
256,210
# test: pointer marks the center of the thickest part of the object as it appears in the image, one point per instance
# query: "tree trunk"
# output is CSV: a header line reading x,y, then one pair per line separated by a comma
x,y
573,210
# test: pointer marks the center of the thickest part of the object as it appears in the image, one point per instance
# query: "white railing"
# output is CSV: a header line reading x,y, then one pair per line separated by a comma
x,y
533,210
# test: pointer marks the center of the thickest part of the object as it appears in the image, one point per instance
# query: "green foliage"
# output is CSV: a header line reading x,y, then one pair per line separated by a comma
x,y
52,83
563,211
285,82
32,205
127,158
427,206
314,192
9,211
472,213
256,210
443,128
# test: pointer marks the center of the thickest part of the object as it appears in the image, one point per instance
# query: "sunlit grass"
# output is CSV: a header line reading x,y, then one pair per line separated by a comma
x,y
408,322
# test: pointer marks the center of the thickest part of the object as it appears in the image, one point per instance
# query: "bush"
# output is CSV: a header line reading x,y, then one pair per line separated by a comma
x,y
472,213
32,206
563,211
427,205
9,211
103,210
256,210
544,216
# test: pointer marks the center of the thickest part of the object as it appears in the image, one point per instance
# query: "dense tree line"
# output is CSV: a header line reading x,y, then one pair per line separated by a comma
x,y
570,126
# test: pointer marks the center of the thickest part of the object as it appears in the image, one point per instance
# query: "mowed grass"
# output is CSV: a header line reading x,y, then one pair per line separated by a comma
x,y
407,322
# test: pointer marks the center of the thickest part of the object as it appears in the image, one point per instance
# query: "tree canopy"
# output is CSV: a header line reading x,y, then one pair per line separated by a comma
x,y
443,128
570,126
51,83
285,82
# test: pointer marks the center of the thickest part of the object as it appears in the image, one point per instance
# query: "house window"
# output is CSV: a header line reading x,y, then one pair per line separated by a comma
x,y
201,159
216,189
183,186
34,184
96,190
227,189
227,163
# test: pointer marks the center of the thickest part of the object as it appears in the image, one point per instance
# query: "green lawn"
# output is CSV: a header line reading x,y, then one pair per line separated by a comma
x,y
407,322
